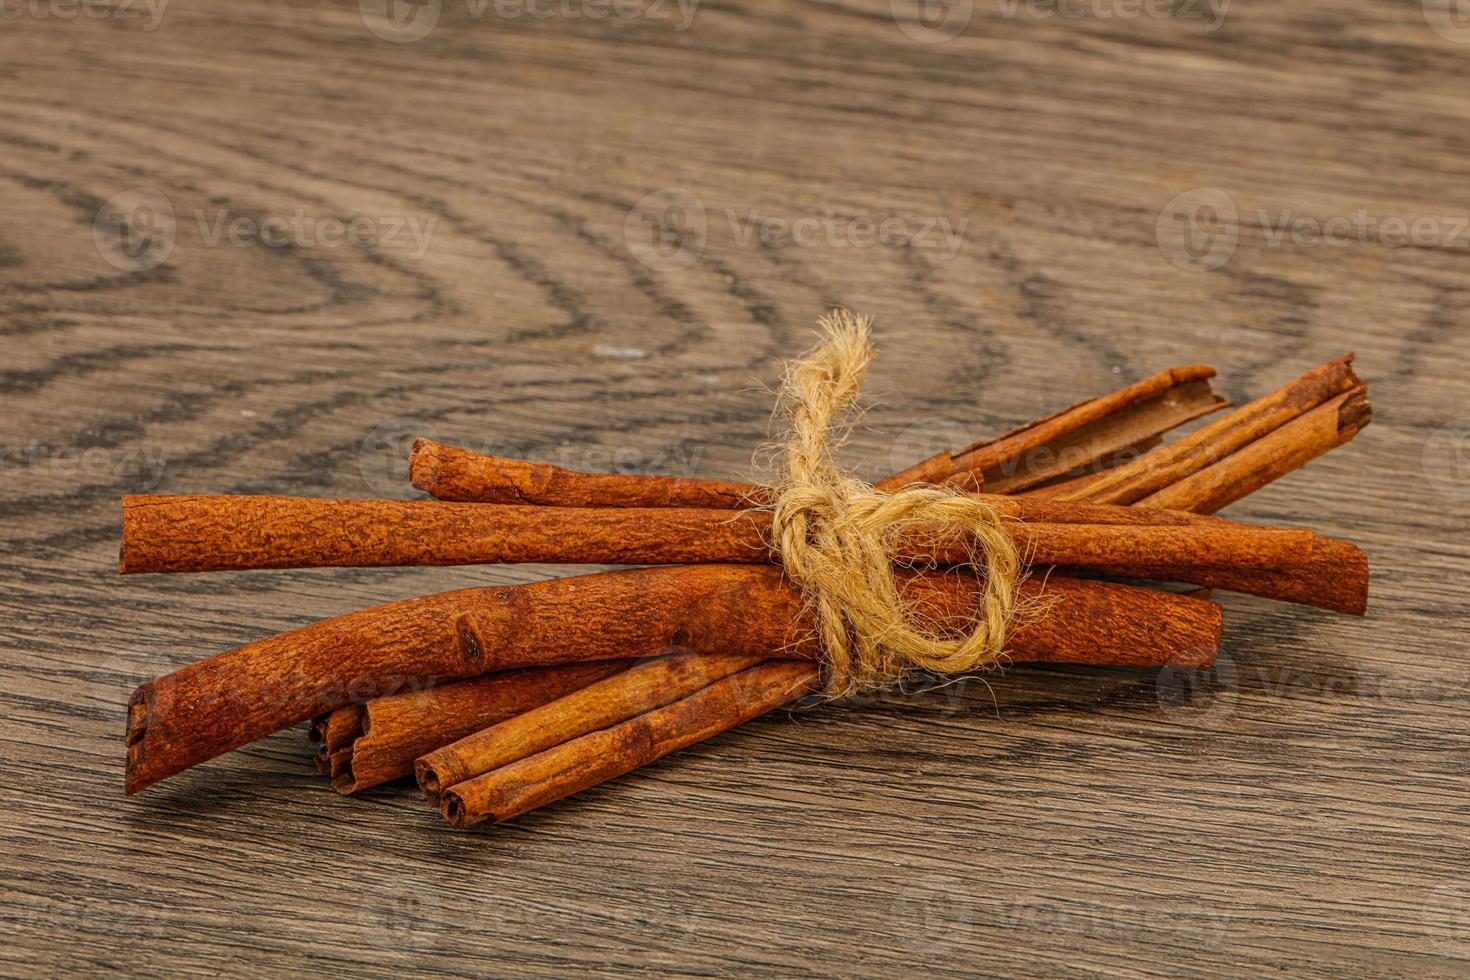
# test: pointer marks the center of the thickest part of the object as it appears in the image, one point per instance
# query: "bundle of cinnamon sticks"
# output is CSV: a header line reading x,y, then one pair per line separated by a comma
x,y
504,698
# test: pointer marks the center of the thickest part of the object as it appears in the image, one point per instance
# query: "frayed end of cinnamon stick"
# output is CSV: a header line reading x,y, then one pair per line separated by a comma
x,y
454,810
423,464
428,781
1354,414
1356,573
137,733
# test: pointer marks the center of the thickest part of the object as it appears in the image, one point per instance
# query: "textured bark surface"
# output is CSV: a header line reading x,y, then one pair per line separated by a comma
x,y
225,701
164,533
1171,464
459,474
1297,811
647,686
367,744
598,756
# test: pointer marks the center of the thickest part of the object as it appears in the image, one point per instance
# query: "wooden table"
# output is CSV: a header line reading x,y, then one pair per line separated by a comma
x,y
588,239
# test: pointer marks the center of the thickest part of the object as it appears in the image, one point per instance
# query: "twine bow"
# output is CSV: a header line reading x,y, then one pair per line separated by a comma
x,y
838,537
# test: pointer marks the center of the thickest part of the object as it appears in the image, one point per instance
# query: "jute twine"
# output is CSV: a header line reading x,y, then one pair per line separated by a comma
x,y
838,537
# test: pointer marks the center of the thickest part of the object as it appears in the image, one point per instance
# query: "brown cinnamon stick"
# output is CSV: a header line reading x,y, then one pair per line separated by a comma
x,y
460,475
371,743
1084,435
1336,579
1172,464
232,698
602,755
1294,444
163,533
640,689
1099,429
1079,437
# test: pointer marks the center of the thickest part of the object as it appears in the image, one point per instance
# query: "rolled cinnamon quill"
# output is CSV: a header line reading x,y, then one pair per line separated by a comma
x,y
1087,437
1165,471
1080,436
163,533
660,491
455,474
1275,454
649,685
598,756
1088,434
366,744
232,698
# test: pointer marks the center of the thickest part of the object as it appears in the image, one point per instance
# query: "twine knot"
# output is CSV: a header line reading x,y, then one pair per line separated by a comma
x,y
839,537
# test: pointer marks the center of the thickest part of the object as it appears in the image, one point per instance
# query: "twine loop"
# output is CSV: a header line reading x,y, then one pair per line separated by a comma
x,y
839,537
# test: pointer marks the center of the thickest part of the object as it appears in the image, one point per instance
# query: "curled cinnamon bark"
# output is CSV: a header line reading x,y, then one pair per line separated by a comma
x,y
1335,579
1081,436
371,743
602,755
199,533
649,685
1172,465
1294,444
232,698
460,475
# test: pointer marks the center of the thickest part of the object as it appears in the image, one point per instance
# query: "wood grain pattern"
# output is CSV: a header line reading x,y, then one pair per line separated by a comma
x,y
1301,810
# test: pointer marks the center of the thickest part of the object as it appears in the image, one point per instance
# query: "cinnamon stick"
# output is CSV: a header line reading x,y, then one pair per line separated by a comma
x,y
1169,465
1336,578
602,755
640,689
1087,434
232,698
1294,444
460,475
370,743
163,533
1074,439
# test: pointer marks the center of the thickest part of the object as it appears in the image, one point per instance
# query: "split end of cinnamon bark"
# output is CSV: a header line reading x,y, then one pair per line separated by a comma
x,y
366,745
1248,469
1091,435
642,688
598,756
